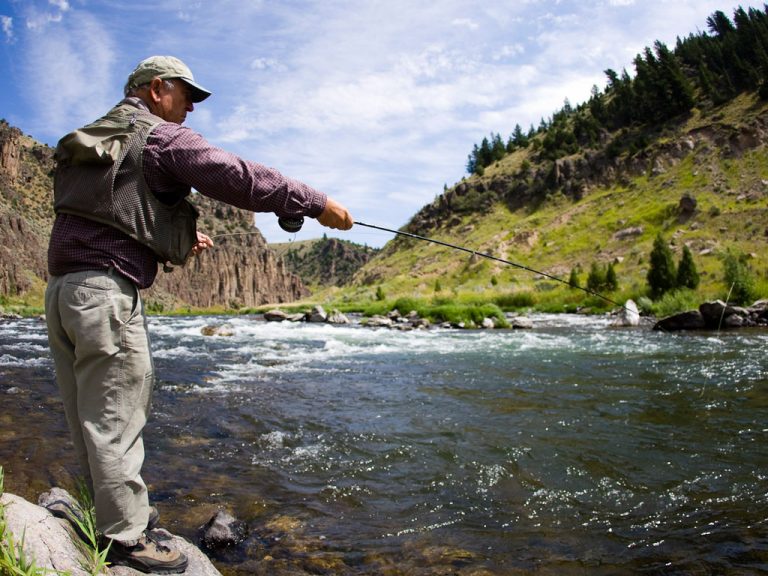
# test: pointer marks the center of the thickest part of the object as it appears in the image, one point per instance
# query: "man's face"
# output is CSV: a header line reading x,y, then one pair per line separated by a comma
x,y
173,101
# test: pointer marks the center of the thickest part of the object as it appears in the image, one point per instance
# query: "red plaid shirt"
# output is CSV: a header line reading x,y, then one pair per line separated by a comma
x,y
175,154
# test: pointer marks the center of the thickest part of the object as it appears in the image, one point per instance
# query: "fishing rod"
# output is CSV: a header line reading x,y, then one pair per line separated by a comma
x,y
293,225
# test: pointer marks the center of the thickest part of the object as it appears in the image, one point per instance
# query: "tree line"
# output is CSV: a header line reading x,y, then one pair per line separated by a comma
x,y
704,69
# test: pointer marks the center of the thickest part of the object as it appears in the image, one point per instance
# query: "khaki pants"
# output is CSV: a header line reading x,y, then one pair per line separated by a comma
x,y
98,336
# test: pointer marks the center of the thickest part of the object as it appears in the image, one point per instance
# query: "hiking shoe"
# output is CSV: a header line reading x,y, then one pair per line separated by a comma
x,y
154,518
148,555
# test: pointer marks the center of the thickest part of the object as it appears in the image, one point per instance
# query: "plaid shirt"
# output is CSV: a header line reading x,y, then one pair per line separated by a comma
x,y
177,155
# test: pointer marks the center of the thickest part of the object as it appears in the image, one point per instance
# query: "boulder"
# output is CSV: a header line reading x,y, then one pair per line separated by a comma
x,y
521,323
222,530
337,317
690,320
716,313
318,314
377,322
629,315
53,545
275,316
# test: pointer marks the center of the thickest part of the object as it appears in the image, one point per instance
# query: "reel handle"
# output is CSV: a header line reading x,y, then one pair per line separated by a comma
x,y
291,225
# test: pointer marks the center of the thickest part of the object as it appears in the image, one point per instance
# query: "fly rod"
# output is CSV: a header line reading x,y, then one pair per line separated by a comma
x,y
294,225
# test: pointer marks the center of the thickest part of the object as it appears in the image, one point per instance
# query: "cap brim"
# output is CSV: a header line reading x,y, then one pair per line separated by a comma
x,y
197,92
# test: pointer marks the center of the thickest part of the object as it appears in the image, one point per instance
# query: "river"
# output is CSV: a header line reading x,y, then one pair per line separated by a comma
x,y
570,448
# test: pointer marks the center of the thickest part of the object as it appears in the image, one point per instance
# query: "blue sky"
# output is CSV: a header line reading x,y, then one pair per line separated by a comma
x,y
376,102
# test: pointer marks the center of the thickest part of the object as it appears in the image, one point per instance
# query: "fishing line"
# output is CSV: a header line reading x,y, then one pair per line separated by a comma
x,y
497,259
293,225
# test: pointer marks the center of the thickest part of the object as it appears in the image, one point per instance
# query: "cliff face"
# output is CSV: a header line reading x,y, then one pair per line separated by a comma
x,y
241,270
26,170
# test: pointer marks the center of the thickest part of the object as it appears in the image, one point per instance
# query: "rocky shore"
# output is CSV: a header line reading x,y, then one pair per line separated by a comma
x,y
51,541
717,315
393,319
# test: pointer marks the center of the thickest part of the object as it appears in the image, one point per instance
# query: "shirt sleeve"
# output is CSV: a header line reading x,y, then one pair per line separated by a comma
x,y
175,154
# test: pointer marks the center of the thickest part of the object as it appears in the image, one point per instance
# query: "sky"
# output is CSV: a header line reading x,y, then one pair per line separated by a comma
x,y
375,102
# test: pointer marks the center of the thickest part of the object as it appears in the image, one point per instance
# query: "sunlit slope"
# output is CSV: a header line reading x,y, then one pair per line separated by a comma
x,y
719,160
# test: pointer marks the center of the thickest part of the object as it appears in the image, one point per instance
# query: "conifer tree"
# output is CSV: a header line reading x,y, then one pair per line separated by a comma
x,y
596,278
573,279
611,281
687,274
661,274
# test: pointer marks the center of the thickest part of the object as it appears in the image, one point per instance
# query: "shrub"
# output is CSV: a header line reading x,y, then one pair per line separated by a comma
x,y
738,278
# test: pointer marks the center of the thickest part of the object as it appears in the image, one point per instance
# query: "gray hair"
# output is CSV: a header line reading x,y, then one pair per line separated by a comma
x,y
133,90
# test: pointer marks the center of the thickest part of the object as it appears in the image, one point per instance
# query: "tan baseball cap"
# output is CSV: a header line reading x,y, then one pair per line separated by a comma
x,y
165,67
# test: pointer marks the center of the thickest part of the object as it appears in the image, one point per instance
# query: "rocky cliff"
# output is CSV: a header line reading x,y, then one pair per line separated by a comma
x,y
240,271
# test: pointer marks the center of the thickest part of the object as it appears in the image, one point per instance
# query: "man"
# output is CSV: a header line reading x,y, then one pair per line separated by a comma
x,y
120,200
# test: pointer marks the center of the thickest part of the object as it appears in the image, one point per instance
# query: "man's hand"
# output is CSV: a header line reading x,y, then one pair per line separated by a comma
x,y
203,243
335,216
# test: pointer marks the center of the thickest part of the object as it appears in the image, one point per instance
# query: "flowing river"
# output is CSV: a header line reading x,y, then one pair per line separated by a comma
x,y
571,448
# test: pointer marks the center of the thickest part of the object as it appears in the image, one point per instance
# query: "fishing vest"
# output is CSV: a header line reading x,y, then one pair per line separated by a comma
x,y
100,176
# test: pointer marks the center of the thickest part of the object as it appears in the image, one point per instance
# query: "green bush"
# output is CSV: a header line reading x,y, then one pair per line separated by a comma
x,y
739,279
675,302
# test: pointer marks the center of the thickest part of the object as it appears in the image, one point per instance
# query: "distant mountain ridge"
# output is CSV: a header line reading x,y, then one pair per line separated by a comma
x,y
326,261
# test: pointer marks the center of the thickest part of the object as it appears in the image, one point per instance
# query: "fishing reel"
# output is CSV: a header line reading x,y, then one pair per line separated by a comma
x,y
291,225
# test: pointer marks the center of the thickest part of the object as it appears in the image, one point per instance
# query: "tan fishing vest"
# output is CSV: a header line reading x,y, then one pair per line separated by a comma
x,y
99,176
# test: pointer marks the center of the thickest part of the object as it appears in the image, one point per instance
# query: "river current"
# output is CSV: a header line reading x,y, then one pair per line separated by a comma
x,y
570,448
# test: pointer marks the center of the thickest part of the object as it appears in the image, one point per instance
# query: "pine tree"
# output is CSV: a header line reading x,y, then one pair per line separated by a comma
x,y
573,279
596,278
687,275
661,274
611,281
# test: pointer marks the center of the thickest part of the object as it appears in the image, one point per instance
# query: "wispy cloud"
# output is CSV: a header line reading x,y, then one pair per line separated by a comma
x,y
6,24
378,103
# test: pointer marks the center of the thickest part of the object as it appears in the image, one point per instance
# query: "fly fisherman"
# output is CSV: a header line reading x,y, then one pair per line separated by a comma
x,y
120,201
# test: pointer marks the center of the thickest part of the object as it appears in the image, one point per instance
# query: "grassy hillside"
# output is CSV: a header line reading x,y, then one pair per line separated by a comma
x,y
719,159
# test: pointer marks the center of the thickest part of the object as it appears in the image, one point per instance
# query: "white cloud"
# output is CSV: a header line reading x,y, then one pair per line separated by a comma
x,y
6,24
466,23
70,66
62,5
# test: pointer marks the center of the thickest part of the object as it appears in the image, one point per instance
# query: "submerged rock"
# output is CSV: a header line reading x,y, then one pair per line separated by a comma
x,y
221,330
221,531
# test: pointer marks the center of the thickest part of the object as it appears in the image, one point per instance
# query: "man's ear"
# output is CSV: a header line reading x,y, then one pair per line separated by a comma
x,y
154,89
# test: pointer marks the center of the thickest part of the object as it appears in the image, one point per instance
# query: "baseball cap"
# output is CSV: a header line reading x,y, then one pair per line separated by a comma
x,y
165,67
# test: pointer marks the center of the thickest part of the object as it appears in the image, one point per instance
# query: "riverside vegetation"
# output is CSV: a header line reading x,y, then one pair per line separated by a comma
x,y
676,152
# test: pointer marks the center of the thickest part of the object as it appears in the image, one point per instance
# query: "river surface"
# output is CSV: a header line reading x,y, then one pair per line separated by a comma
x,y
571,448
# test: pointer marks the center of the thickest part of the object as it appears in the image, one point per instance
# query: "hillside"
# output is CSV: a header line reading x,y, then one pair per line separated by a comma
x,y
324,262
701,181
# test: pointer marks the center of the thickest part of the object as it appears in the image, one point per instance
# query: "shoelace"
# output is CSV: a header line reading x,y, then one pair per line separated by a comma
x,y
154,540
